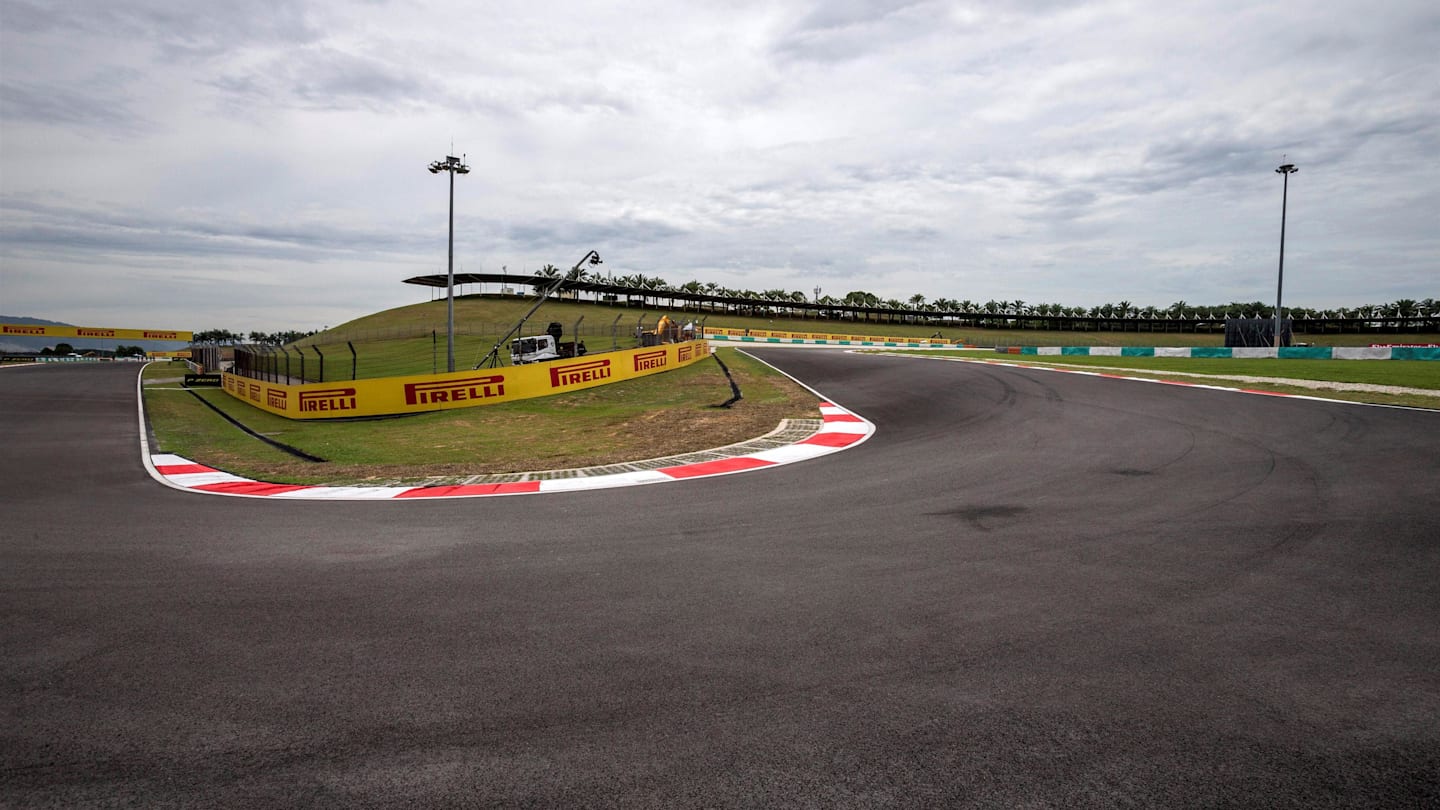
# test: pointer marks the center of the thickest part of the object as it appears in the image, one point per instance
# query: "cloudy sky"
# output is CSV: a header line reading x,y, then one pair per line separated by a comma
x,y
261,165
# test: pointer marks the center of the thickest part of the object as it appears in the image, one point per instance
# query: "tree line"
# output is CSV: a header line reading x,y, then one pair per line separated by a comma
x,y
656,286
224,337
65,349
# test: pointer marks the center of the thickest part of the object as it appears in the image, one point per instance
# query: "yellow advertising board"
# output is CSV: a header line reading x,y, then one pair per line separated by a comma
x,y
93,332
764,333
461,389
185,353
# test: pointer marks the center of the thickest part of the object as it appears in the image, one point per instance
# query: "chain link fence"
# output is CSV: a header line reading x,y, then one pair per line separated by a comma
x,y
401,351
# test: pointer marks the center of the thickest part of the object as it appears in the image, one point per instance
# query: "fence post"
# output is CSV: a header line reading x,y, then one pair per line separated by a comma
x,y
322,362
287,364
575,334
300,350
352,358
615,333
434,369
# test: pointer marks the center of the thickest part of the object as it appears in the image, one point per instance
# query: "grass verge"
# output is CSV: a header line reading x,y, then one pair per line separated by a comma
x,y
480,320
1266,374
660,415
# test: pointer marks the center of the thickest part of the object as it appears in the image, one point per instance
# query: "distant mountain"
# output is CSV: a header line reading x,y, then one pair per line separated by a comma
x,y
21,343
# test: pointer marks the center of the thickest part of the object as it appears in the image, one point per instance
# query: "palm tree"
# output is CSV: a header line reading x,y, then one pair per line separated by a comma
x,y
917,301
693,287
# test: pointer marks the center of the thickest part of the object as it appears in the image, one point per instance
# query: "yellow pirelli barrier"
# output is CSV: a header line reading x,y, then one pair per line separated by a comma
x,y
768,333
461,389
36,330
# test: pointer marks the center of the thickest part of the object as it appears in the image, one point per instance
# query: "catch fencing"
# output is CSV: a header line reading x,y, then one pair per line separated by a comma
x,y
399,351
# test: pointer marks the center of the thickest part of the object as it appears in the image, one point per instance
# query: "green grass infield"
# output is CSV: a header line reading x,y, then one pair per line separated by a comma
x,y
660,415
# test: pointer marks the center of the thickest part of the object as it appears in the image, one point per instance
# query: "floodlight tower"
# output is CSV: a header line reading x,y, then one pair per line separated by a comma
x,y
454,166
1285,170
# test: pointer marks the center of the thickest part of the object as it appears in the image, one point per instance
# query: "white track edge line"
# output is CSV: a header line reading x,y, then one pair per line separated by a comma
x,y
1104,375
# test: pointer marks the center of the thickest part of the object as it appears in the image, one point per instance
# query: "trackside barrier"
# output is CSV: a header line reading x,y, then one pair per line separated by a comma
x,y
385,396
1283,353
831,340
38,330
764,335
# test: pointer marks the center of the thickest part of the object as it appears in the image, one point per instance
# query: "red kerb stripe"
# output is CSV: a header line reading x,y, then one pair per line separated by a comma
x,y
723,465
182,469
250,487
461,490
834,439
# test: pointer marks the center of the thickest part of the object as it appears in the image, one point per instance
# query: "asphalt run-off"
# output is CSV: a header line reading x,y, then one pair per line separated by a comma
x,y
1025,589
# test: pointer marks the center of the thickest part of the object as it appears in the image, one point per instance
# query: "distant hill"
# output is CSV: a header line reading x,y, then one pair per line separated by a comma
x,y
20,343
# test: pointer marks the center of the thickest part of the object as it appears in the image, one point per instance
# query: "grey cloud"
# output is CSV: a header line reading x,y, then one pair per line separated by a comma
x,y
861,147
583,98
919,233
37,227
838,31
29,18
623,231
835,15
181,31
198,31
1066,204
87,107
323,78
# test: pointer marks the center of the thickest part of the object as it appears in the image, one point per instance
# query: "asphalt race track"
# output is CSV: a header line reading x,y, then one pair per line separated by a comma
x,y
1028,589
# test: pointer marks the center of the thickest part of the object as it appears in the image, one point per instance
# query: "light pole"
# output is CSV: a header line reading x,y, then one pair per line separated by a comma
x,y
1285,170
454,166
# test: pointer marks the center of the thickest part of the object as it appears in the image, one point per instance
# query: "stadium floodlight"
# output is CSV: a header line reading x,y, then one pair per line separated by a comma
x,y
1285,170
454,166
